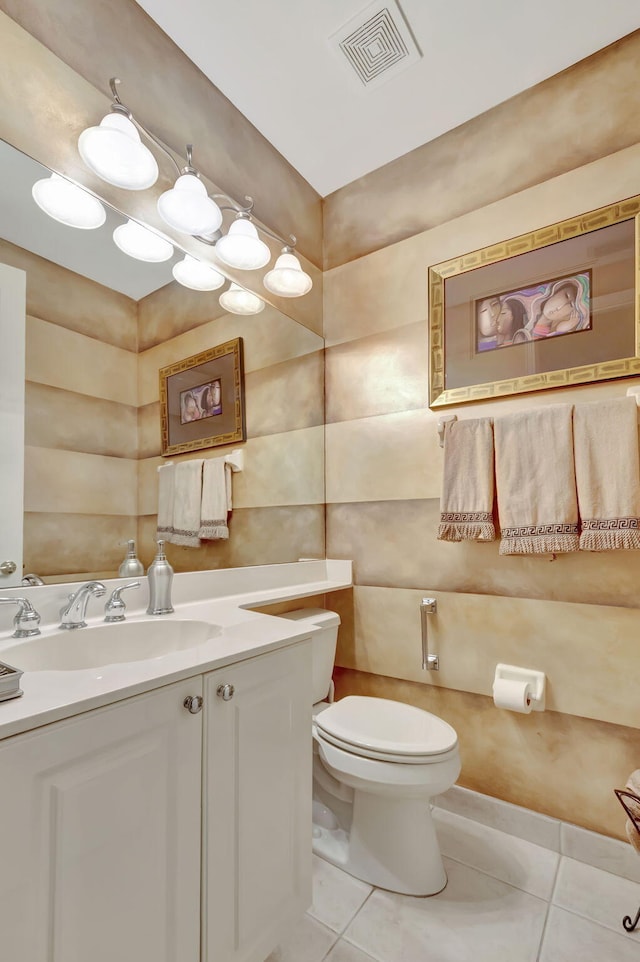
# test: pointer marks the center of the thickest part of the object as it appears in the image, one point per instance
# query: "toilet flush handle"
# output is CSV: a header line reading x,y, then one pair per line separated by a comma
x,y
428,607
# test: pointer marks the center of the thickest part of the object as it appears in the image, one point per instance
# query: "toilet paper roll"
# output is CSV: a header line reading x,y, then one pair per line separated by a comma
x,y
514,695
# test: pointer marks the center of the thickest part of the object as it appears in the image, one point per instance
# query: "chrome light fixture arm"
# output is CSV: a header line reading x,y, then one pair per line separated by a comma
x,y
120,108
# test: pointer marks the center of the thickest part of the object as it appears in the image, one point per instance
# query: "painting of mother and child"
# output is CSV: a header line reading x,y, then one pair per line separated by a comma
x,y
559,306
202,401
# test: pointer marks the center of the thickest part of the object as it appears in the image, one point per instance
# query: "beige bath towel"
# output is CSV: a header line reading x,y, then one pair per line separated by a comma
x,y
466,506
216,500
166,477
187,499
608,473
535,481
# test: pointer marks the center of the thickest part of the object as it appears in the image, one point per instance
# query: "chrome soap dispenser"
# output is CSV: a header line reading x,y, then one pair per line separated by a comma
x,y
160,576
131,567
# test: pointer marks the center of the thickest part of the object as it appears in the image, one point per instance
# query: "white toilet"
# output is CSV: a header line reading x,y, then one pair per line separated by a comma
x,y
376,765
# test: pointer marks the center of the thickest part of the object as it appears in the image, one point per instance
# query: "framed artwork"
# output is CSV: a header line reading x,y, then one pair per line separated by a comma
x,y
202,400
552,308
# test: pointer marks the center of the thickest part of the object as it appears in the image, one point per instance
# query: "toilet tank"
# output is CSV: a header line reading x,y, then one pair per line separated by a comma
x,y
323,645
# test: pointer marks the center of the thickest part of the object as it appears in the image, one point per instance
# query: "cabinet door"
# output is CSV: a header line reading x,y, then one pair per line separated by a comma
x,y
257,830
100,835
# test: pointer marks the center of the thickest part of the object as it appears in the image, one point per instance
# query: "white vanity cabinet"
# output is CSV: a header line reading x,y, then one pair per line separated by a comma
x,y
100,835
257,812
116,843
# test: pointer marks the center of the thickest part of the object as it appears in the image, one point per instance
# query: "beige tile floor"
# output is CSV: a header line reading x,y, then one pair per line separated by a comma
x,y
507,900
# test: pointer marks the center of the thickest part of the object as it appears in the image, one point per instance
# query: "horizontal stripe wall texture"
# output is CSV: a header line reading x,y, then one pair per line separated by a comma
x,y
80,420
384,469
278,500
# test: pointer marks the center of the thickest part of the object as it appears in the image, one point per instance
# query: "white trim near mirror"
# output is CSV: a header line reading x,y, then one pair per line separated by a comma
x,y
13,283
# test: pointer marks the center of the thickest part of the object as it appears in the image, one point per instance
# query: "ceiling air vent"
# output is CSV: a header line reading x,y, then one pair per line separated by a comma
x,y
377,43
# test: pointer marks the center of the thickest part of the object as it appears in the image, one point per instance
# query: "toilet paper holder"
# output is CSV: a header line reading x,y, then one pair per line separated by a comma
x,y
537,680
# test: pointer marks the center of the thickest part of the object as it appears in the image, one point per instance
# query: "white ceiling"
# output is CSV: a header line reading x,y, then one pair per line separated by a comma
x,y
273,60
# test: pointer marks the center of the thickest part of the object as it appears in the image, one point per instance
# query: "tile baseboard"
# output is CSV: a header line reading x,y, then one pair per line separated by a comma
x,y
600,851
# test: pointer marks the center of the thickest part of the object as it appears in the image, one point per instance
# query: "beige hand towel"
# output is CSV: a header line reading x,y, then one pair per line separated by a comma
x,y
608,473
186,503
466,505
216,500
535,481
166,477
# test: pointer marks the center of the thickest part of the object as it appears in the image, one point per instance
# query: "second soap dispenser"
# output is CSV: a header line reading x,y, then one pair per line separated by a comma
x,y
160,576
131,567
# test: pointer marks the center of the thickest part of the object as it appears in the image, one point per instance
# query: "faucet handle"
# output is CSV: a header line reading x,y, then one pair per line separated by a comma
x,y
26,620
115,607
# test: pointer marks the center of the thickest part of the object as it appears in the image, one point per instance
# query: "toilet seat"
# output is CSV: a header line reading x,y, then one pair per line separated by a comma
x,y
386,730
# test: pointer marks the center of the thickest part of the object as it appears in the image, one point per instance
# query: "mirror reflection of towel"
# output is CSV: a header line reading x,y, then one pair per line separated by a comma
x,y
216,500
187,498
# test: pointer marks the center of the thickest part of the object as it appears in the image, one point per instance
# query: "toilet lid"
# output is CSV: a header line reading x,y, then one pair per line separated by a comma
x,y
387,726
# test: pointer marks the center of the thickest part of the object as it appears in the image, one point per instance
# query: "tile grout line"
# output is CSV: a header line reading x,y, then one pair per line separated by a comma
x,y
497,878
550,902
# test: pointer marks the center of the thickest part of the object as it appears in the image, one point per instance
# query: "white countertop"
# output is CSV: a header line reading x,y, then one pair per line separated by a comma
x,y
217,597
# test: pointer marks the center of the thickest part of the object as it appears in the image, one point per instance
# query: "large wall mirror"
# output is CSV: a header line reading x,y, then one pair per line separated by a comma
x,y
99,326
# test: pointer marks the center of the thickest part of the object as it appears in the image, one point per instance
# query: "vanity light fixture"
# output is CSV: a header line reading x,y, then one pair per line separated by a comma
x,y
192,273
142,243
241,247
67,203
187,207
238,301
115,152
287,277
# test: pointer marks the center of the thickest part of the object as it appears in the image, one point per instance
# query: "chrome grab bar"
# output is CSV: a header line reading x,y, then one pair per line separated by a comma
x,y
429,662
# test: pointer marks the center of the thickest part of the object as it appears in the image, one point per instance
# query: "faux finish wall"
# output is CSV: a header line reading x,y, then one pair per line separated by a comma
x,y
278,500
384,465
80,420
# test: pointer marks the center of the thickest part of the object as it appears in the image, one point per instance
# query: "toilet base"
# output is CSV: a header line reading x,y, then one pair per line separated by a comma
x,y
392,844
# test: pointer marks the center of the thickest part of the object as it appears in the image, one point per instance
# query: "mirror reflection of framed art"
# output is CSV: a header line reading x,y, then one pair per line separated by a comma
x,y
202,400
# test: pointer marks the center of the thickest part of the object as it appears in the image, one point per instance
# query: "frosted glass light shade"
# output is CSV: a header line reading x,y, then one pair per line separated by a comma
x,y
187,208
242,248
192,273
143,244
67,203
238,301
116,154
287,277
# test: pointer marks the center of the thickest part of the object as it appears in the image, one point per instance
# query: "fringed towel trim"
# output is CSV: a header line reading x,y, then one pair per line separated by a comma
x,y
466,526
610,534
188,539
214,531
540,539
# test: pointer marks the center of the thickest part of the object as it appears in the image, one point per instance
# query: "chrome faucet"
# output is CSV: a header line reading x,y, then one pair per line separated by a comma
x,y
115,607
72,615
26,620
32,580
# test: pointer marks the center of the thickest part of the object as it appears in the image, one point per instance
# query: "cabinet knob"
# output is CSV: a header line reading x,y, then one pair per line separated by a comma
x,y
8,567
225,692
193,704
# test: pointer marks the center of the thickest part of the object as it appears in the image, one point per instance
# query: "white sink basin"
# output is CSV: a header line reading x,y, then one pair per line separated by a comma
x,y
107,644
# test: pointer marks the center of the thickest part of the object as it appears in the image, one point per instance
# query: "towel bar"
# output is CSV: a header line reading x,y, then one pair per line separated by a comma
x,y
633,391
235,458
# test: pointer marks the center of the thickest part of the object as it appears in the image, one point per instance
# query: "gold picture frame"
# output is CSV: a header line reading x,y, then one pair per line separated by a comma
x,y
202,400
603,242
